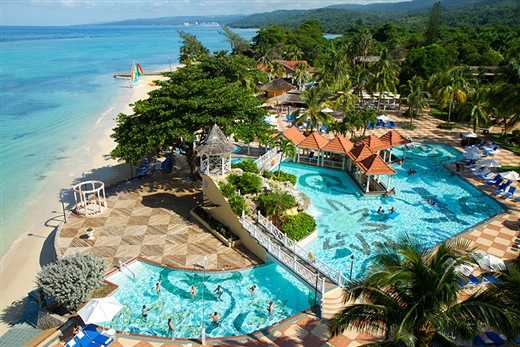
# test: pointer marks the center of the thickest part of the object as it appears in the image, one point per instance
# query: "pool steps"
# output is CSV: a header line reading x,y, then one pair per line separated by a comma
x,y
332,303
123,265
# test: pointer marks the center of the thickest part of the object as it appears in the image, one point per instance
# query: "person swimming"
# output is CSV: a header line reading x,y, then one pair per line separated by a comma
x,y
380,210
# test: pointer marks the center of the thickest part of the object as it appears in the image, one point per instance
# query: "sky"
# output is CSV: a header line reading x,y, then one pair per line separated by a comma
x,y
70,12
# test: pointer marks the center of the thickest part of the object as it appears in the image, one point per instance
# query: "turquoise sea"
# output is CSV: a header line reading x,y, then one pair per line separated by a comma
x,y
55,84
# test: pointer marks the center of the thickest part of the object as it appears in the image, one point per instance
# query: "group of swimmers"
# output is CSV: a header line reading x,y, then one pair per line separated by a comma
x,y
381,211
388,193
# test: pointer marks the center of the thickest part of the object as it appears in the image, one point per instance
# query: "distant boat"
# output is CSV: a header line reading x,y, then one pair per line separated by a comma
x,y
136,74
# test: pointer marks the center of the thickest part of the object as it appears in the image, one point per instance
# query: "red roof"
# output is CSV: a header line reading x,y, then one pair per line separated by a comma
x,y
375,165
373,142
293,134
360,152
339,144
314,141
394,139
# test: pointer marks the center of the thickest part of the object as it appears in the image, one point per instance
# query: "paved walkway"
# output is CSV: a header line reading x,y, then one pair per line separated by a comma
x,y
495,236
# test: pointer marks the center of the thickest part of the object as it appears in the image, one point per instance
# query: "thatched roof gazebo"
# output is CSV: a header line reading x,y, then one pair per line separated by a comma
x,y
215,152
276,87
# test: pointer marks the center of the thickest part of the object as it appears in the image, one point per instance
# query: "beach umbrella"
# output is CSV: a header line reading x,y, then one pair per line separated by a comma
x,y
491,163
473,153
490,263
100,310
469,134
510,175
465,269
327,110
383,117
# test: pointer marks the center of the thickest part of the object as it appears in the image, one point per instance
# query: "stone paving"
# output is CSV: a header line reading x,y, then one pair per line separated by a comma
x,y
496,236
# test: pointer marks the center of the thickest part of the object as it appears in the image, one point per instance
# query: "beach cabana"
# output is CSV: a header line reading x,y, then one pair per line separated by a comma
x,y
373,142
336,151
313,142
215,153
276,87
393,139
373,167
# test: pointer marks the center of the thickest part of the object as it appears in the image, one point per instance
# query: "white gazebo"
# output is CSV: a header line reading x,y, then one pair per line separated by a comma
x,y
215,153
90,198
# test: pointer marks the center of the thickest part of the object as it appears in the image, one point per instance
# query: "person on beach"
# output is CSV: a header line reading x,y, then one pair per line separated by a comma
x,y
171,327
219,291
158,288
271,307
253,289
216,318
144,311
193,291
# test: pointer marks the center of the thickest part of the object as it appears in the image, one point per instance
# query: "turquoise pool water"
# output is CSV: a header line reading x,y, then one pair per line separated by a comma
x,y
242,313
347,226
237,149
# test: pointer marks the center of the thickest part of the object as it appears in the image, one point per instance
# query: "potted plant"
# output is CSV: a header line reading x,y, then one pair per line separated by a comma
x,y
90,233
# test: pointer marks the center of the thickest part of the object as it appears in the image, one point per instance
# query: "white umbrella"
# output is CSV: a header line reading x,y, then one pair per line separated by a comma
x,y
465,269
510,175
469,134
491,163
100,310
490,262
383,117
473,153
327,110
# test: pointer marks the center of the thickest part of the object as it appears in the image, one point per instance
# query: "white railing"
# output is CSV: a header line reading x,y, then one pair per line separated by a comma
x,y
334,275
204,166
123,265
292,262
266,156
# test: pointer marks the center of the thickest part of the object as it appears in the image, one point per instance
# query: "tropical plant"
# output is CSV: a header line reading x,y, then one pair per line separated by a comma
x,y
287,148
300,73
412,297
344,98
238,44
238,204
192,49
316,100
275,69
247,165
505,95
367,115
227,189
298,226
352,122
275,204
384,78
71,279
361,78
415,95
247,183
477,109
449,87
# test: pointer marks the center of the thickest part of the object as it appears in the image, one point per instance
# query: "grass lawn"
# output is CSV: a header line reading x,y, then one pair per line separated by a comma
x,y
504,142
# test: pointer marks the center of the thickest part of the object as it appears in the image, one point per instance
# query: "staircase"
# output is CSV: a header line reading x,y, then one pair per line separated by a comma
x,y
333,301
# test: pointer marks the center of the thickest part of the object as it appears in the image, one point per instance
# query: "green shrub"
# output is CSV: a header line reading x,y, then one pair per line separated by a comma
x,y
275,203
227,189
247,183
410,127
447,126
71,279
267,174
247,165
215,224
299,226
237,204
285,177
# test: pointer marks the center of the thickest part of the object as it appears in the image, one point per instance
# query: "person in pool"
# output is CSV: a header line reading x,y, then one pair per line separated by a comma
x,y
380,210
270,308
253,289
216,318
193,291
219,291
392,210
144,311
171,327
158,288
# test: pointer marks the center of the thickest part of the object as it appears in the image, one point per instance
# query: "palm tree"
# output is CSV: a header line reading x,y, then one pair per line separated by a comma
x,y
415,95
385,72
449,87
344,98
412,298
275,69
477,108
367,115
352,122
316,100
293,52
238,44
364,45
360,81
287,148
300,73
505,95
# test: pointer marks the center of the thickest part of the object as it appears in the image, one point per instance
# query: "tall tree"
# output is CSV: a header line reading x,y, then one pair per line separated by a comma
x,y
505,95
186,106
300,73
344,98
287,148
416,96
192,50
238,44
449,88
385,72
316,100
477,109
412,297
361,78
432,32
368,115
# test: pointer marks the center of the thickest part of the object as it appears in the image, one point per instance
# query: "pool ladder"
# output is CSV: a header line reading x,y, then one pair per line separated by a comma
x,y
123,265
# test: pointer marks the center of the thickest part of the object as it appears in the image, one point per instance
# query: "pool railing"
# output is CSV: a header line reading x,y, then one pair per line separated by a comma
x,y
334,275
264,158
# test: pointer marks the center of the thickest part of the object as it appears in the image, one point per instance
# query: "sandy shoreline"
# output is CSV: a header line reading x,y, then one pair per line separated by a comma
x,y
35,246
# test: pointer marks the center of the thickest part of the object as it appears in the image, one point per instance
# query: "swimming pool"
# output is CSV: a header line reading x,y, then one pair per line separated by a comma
x,y
242,313
237,149
347,227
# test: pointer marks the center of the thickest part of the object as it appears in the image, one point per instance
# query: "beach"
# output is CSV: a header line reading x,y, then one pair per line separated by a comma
x,y
90,159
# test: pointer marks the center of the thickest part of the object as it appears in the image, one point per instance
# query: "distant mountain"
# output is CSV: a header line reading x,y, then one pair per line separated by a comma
x,y
178,20
413,5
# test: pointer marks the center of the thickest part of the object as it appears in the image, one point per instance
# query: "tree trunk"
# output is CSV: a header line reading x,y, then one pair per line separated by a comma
x,y
379,103
449,111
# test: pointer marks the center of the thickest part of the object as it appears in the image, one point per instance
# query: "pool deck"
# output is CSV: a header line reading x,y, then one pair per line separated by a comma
x,y
158,228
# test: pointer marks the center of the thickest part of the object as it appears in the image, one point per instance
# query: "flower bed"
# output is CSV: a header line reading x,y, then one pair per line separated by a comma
x,y
220,231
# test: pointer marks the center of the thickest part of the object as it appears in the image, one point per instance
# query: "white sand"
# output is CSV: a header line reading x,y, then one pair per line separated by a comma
x,y
91,160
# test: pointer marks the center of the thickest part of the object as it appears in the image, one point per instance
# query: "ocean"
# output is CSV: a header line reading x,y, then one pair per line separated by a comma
x,y
55,84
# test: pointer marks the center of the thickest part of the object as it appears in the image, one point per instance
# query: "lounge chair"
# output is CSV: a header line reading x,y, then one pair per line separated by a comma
x,y
143,169
380,124
95,337
502,187
476,168
163,165
481,173
477,341
496,182
509,193
497,340
489,176
370,126
391,124
473,280
82,340
489,277
483,144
